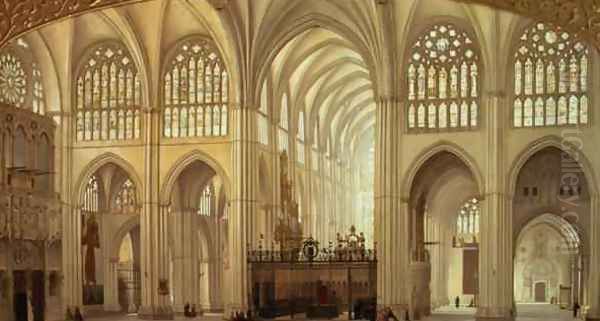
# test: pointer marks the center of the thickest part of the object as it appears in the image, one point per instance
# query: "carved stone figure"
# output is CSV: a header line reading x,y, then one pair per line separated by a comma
x,y
91,240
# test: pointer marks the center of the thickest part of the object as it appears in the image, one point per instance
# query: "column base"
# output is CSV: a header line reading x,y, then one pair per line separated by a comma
x,y
232,309
115,307
592,316
156,313
494,314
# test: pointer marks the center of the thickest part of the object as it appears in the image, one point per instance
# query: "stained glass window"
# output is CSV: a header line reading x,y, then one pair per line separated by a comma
x,y
91,196
467,222
263,116
283,127
125,200
195,91
443,73
108,95
300,138
206,201
20,78
551,78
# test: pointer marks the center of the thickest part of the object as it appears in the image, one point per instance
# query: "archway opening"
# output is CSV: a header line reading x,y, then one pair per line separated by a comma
x,y
128,271
444,228
198,239
551,214
109,208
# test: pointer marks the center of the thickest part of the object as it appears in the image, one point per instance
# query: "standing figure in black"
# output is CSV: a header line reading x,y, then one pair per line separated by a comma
x,y
457,302
576,308
78,316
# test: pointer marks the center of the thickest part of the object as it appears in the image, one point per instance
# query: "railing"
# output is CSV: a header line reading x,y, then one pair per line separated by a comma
x,y
309,252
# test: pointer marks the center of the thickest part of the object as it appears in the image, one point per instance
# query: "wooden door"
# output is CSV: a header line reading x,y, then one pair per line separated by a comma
x,y
540,292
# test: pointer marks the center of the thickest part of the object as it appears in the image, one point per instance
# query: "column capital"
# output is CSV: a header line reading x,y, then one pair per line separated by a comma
x,y
240,105
150,109
389,98
495,94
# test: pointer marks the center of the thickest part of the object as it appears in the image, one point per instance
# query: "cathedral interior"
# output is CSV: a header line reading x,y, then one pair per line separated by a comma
x,y
310,159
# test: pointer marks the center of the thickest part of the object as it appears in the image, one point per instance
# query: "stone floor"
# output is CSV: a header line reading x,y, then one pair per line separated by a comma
x,y
531,312
525,312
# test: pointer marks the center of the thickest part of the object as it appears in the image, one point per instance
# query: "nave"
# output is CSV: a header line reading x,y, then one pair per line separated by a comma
x,y
294,157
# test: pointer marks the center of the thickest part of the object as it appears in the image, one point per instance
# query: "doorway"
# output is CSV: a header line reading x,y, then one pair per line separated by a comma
x,y
540,292
24,301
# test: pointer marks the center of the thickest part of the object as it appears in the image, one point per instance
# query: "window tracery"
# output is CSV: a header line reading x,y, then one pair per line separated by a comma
x,y
206,201
108,95
21,78
195,92
91,196
263,116
550,78
283,127
467,223
443,80
300,138
125,200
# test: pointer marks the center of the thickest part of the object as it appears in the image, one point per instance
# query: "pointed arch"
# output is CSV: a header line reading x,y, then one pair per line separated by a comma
x,y
561,144
179,166
429,152
97,163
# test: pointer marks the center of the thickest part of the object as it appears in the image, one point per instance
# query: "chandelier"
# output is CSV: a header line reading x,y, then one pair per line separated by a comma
x,y
467,225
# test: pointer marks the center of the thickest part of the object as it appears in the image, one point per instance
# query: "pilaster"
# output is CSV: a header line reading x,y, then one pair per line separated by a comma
x,y
243,204
72,268
155,303
594,263
495,247
391,213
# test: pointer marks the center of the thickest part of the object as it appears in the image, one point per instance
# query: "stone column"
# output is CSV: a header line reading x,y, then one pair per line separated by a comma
x,y
153,229
111,284
391,213
594,263
72,262
243,204
185,247
495,247
308,219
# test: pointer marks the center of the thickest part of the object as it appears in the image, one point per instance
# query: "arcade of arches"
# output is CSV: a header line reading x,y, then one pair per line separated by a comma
x,y
148,149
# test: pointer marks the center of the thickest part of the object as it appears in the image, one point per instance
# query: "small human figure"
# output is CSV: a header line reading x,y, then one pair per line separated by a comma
x,y
186,310
29,306
78,316
457,302
69,315
193,311
576,308
389,314
472,304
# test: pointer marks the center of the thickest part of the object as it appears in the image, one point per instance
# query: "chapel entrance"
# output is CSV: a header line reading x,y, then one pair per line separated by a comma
x,y
444,222
28,295
550,228
540,292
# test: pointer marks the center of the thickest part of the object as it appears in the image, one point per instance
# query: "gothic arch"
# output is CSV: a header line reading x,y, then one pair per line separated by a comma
x,y
429,152
221,36
97,163
415,31
561,144
559,224
183,162
128,226
130,40
297,27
